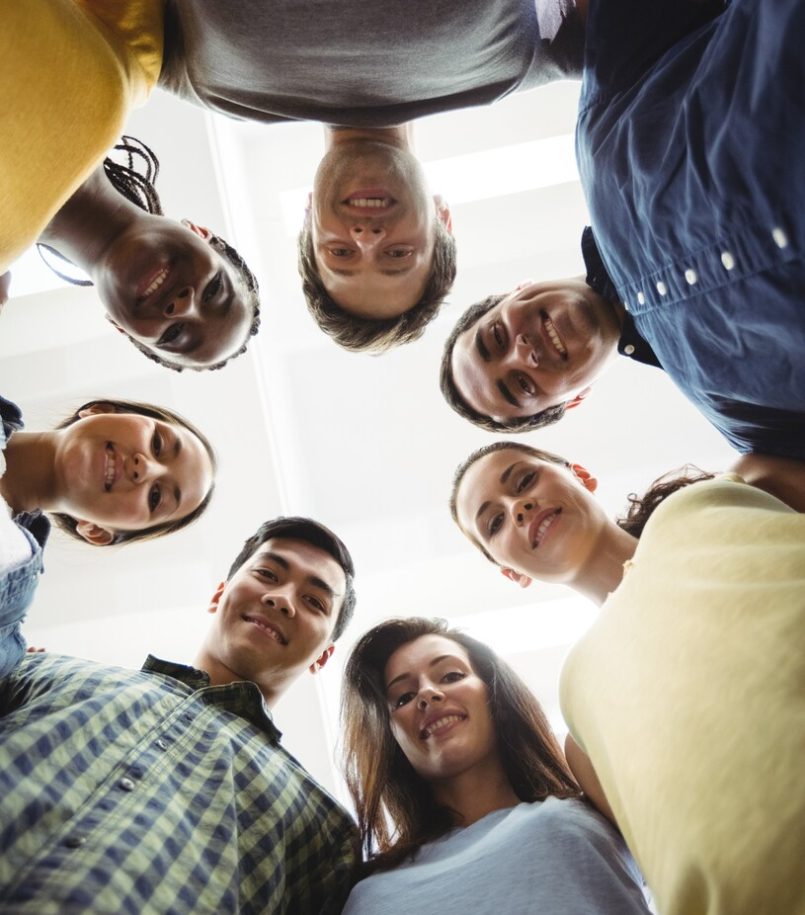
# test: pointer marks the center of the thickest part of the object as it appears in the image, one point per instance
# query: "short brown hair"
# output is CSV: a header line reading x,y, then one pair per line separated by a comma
x,y
372,335
453,396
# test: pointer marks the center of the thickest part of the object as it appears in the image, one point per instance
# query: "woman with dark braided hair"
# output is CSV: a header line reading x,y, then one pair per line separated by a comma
x,y
181,294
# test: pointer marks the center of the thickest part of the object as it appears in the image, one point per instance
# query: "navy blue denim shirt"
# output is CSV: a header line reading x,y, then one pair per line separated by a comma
x,y
17,586
690,142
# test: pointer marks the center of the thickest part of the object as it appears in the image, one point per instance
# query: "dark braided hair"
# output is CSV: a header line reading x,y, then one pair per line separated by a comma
x,y
135,179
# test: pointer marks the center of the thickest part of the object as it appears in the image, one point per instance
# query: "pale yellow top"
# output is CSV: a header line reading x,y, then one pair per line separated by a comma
x,y
70,72
688,694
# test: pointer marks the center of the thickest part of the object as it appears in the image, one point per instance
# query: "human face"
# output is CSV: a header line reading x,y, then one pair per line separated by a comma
x,y
438,708
542,345
533,517
373,227
126,472
275,616
168,287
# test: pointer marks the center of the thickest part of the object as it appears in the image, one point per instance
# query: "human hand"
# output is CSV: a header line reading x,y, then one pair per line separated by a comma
x,y
33,650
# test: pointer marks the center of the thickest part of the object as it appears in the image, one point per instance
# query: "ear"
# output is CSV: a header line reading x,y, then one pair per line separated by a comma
x,y
322,659
577,399
96,409
587,480
523,580
94,533
215,599
443,213
201,231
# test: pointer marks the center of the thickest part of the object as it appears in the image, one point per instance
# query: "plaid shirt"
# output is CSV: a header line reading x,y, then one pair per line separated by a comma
x,y
153,792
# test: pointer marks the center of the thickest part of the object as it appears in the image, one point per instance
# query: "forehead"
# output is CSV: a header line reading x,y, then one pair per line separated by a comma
x,y
483,480
420,653
304,559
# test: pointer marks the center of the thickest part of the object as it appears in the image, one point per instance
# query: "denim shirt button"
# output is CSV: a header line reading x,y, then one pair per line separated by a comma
x,y
691,277
727,260
779,236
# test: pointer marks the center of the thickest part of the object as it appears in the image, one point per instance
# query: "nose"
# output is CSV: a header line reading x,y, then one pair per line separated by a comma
x,y
141,468
277,600
428,696
180,303
525,350
521,510
366,236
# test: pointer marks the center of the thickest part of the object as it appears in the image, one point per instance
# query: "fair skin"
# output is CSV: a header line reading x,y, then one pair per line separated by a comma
x,y
440,718
111,471
542,345
372,221
274,618
539,519
162,282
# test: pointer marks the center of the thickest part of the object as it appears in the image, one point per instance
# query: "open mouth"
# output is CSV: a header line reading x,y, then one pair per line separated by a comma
x,y
440,726
370,201
266,627
541,525
110,467
553,335
152,282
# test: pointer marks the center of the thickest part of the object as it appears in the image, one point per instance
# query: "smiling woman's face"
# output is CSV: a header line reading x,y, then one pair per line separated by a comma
x,y
167,286
126,472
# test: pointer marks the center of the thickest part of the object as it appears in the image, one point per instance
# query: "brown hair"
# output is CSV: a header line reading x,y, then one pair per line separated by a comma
x,y
453,396
395,806
68,523
376,335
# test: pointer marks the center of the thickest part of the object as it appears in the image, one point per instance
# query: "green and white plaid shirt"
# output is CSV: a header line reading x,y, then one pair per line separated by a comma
x,y
153,792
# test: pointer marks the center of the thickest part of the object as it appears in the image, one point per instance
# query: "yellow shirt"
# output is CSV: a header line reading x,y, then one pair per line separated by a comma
x,y
688,694
70,72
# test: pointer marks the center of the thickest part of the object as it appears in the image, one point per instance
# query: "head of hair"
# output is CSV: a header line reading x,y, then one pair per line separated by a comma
x,y
316,534
456,400
376,335
479,453
68,523
396,809
135,178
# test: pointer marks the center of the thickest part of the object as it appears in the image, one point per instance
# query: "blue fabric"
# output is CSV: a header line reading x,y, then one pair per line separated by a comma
x,y
690,142
17,585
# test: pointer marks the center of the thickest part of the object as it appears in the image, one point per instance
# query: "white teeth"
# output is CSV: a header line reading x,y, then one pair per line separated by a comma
x,y
555,338
269,629
157,282
440,725
370,202
544,525
109,474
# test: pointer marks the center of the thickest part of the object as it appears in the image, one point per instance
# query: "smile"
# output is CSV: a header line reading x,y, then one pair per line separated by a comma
x,y
153,281
553,336
541,525
110,467
440,726
369,202
266,627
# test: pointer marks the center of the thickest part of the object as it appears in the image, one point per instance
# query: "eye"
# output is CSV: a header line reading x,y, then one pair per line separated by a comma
x,y
171,334
402,700
525,481
340,252
399,252
157,443
525,384
267,574
213,287
495,524
154,497
453,676
499,335
315,603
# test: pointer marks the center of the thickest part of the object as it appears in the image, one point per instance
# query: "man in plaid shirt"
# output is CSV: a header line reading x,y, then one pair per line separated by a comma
x,y
167,789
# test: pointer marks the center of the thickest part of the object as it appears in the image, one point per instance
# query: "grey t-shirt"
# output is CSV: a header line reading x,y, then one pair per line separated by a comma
x,y
557,857
363,62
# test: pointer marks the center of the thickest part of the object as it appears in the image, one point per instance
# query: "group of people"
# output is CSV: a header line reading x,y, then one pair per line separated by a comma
x,y
168,789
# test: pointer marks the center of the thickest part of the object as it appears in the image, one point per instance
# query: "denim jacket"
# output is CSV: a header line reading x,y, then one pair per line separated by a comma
x,y
17,586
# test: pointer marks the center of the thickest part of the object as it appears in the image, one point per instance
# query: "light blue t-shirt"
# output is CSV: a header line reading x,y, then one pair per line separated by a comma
x,y
555,857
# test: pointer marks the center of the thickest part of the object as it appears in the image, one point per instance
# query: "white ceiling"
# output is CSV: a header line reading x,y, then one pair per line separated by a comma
x,y
363,443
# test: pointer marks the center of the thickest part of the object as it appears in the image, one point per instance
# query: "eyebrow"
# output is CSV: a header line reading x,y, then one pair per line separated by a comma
x,y
339,271
507,394
503,480
311,579
433,663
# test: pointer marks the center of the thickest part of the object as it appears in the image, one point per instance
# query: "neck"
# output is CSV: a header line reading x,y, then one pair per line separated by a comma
x,y
475,793
783,478
90,221
30,478
401,136
603,570
220,675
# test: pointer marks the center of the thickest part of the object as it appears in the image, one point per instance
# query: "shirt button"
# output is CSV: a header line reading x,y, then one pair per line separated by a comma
x,y
126,784
727,260
161,744
691,276
628,349
641,298
780,238
75,841
661,288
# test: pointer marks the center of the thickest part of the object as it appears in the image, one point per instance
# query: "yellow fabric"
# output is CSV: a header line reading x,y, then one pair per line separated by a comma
x,y
70,72
688,694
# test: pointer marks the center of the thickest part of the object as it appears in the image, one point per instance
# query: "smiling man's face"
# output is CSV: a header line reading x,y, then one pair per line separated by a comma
x,y
373,226
540,346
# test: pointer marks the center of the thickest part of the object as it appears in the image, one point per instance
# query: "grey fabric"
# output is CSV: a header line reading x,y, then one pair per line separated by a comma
x,y
362,62
556,857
